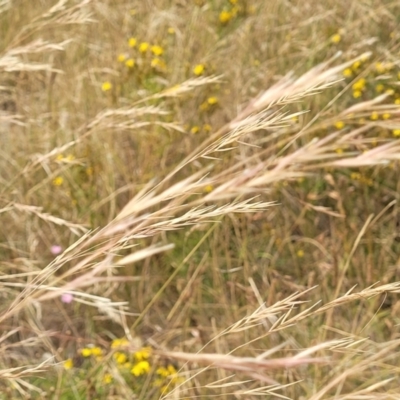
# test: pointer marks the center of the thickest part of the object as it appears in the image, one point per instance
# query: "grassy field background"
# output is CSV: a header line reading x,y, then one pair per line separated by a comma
x,y
199,199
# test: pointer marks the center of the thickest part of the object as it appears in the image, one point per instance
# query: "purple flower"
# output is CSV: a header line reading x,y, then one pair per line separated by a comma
x,y
55,249
67,298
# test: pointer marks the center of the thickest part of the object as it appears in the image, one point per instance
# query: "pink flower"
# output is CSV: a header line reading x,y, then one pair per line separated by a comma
x,y
55,249
67,298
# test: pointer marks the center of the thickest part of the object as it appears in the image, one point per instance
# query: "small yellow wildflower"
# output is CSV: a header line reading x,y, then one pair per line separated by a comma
x,y
207,128
380,88
390,92
300,253
171,31
141,368
386,116
212,100
225,17
199,69
58,181
396,132
339,150
374,116
356,65
208,188
357,94
143,47
233,2
130,63
336,38
122,342
97,351
68,364
132,42
381,68
60,157
397,101
86,352
195,129
120,358
158,63
143,354
355,176
107,379
106,86
339,124
347,73
359,85
157,50
121,58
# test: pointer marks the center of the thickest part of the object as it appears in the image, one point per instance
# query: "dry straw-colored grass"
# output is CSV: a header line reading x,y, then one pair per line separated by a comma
x,y
256,226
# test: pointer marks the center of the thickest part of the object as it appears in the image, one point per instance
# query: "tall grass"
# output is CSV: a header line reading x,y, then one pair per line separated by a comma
x,y
216,182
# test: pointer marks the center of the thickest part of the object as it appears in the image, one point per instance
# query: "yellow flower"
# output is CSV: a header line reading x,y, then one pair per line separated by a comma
x,y
356,65
207,128
336,38
60,157
107,378
397,101
143,47
380,88
195,129
339,124
171,31
357,94
141,368
212,100
158,62
68,364
120,358
225,17
132,42
374,116
121,58
359,85
396,132
130,63
339,150
106,86
157,50
97,351
208,188
355,176
381,68
233,2
300,253
116,343
86,352
143,354
199,69
385,116
58,181
347,73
